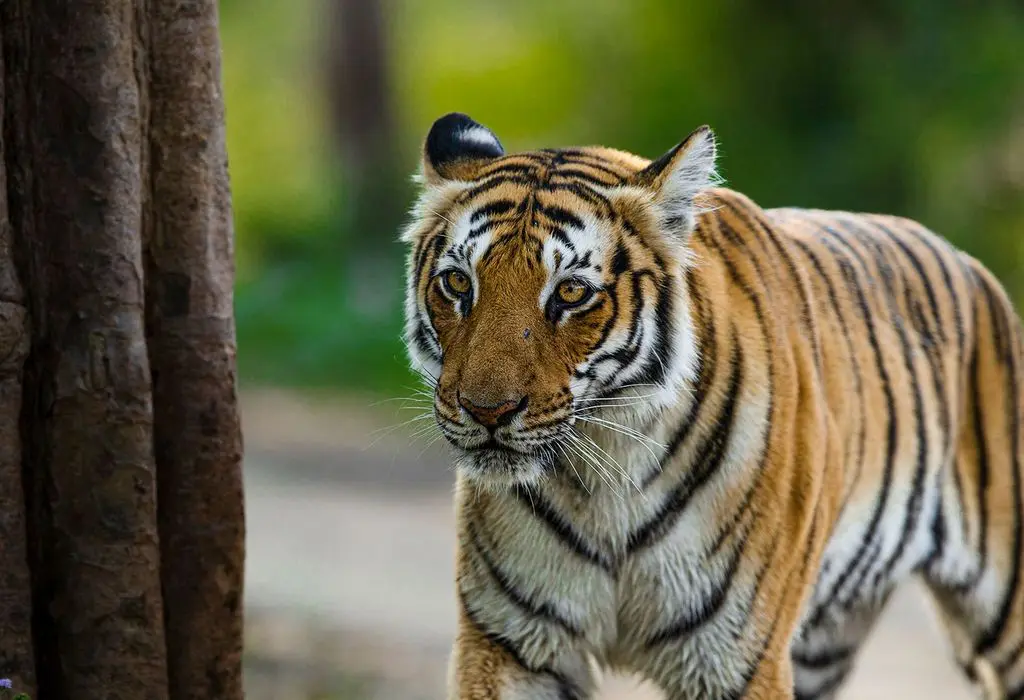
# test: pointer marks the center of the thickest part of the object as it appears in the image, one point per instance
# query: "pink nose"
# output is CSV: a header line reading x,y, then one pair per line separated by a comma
x,y
494,415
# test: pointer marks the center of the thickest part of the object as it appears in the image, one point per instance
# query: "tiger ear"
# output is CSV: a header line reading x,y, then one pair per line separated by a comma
x,y
455,148
678,177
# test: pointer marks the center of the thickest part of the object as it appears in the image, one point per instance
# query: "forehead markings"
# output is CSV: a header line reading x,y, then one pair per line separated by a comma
x,y
579,173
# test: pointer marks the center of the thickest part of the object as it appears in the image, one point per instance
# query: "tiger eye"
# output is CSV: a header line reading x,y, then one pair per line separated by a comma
x,y
571,292
458,282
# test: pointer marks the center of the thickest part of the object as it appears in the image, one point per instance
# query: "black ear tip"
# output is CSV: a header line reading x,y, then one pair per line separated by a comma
x,y
456,136
452,120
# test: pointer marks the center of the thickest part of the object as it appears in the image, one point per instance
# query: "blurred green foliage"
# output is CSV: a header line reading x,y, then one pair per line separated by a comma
x,y
912,107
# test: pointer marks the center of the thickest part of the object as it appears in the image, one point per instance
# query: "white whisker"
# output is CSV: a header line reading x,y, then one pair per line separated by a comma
x,y
573,467
579,447
601,451
619,428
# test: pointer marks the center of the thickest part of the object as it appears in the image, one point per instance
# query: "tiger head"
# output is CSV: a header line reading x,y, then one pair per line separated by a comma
x,y
543,286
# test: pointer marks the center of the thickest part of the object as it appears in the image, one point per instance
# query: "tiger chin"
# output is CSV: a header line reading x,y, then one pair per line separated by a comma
x,y
703,441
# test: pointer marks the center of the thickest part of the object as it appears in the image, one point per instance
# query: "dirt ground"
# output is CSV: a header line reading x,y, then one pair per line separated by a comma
x,y
350,550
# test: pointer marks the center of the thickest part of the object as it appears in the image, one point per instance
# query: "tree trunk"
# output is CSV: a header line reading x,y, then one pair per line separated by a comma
x,y
16,661
88,406
189,278
118,206
364,127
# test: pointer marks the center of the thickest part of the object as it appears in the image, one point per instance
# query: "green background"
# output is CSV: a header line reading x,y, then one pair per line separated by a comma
x,y
909,107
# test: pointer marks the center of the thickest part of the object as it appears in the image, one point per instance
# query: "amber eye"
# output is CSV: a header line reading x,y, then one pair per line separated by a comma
x,y
457,282
572,292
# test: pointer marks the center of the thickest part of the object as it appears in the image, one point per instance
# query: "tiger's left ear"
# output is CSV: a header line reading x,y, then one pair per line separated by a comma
x,y
456,147
678,177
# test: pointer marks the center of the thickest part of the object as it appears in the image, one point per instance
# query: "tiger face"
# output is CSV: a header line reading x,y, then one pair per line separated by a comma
x,y
540,286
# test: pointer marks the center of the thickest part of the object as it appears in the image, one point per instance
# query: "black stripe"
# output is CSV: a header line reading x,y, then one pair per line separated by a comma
x,y
587,194
421,337
756,222
983,467
566,688
852,282
426,242
711,454
710,604
822,660
490,183
751,673
660,355
994,633
931,243
588,178
429,254
480,230
560,236
532,500
529,170
938,529
858,380
914,502
544,611
592,161
1011,659
824,689
743,285
621,260
706,366
491,209
926,282
560,216
739,513
628,352
886,274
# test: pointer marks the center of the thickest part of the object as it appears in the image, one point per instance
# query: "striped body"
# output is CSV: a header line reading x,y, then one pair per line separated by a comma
x,y
761,422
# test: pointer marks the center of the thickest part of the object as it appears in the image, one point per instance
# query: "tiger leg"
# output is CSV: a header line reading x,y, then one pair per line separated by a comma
x,y
983,613
995,669
484,666
824,655
978,579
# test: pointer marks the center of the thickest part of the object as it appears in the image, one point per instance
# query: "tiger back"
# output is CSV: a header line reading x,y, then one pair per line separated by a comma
x,y
703,441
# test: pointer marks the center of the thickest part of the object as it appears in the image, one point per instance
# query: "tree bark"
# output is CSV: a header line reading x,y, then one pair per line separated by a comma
x,y
189,281
87,415
16,661
114,199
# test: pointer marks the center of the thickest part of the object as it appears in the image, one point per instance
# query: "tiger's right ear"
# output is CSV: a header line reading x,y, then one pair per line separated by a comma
x,y
455,148
678,177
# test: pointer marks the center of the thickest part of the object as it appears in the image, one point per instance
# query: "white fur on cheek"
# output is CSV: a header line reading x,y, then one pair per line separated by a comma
x,y
425,215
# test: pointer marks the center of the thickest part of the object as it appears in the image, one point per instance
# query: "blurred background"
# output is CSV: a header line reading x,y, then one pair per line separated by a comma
x,y
912,107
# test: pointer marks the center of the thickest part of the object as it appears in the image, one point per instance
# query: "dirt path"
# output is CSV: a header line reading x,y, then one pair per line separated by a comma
x,y
360,541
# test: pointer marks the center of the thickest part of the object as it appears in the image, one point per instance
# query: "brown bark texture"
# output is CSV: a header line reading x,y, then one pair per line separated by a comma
x,y
87,416
120,445
16,661
189,282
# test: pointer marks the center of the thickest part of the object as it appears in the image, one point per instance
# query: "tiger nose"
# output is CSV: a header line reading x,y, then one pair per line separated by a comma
x,y
493,415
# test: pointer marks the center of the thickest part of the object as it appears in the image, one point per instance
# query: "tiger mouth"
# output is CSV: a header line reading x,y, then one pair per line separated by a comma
x,y
494,460
491,445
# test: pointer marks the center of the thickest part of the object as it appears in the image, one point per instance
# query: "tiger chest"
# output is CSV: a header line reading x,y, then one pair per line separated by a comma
x,y
664,608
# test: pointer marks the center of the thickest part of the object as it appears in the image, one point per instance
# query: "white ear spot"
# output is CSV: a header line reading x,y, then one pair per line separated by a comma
x,y
478,136
456,138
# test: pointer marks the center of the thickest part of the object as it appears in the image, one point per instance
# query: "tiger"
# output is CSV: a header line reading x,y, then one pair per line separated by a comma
x,y
700,441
